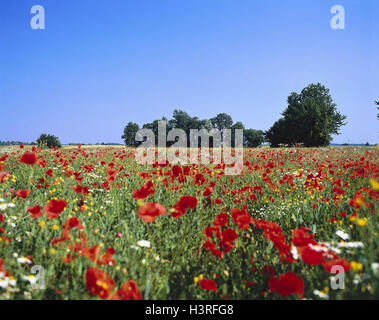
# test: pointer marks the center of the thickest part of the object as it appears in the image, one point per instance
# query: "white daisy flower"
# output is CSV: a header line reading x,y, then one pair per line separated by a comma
x,y
31,278
342,235
23,260
320,294
144,243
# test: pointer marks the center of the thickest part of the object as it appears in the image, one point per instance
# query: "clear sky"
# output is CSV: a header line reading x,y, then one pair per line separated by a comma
x,y
100,64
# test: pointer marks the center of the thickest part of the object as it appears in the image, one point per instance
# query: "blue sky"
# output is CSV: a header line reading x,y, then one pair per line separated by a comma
x,y
100,64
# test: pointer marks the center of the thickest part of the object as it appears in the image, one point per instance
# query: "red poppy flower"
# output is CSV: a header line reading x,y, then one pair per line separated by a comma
x,y
218,201
35,212
54,208
242,218
3,176
68,258
29,158
208,232
328,265
49,172
221,220
71,223
77,189
208,284
207,192
99,283
144,191
287,284
311,257
65,237
128,291
300,237
23,194
150,211
91,253
229,235
182,205
107,258
209,245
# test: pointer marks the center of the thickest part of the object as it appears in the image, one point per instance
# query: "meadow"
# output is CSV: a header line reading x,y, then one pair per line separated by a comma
x,y
104,227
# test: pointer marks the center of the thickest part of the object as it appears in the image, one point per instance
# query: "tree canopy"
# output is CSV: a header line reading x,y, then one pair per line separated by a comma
x,y
48,140
182,120
310,118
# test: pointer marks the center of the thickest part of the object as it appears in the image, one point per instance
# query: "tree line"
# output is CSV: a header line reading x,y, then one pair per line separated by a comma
x,y
310,119
182,120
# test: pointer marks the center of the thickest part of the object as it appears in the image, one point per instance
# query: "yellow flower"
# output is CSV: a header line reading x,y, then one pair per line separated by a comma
x,y
362,222
356,266
42,224
374,184
140,203
55,227
196,279
353,218
52,251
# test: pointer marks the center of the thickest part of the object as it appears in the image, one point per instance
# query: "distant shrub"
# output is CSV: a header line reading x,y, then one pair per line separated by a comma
x,y
48,140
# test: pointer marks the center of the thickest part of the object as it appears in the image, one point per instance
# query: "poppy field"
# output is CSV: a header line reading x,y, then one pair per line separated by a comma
x,y
102,226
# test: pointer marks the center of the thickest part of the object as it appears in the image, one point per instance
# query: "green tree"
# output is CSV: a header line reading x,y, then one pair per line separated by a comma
x,y
48,140
180,120
222,121
130,131
253,138
310,118
235,126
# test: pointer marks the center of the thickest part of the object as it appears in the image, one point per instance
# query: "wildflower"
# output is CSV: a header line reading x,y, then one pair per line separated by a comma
x,y
374,184
287,284
150,211
29,158
54,208
23,194
128,291
35,212
207,284
24,260
99,283
144,243
221,220
342,235
356,266
182,205
144,191
31,278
